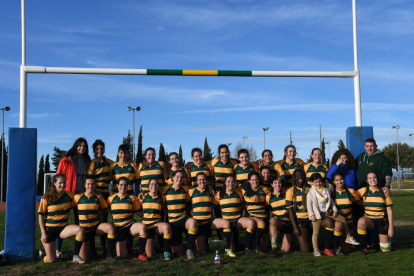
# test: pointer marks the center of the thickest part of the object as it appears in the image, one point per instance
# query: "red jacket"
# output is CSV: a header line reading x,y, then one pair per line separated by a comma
x,y
67,168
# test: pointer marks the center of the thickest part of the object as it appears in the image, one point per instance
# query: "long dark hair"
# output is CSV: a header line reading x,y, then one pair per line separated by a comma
x,y
73,150
158,192
222,146
223,190
51,195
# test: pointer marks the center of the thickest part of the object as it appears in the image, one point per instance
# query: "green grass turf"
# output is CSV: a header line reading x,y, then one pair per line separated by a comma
x,y
398,262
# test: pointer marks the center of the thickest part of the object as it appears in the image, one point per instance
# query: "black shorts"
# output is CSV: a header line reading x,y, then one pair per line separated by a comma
x,y
52,233
350,226
266,221
205,229
122,234
90,235
381,226
305,223
286,228
151,233
233,225
177,228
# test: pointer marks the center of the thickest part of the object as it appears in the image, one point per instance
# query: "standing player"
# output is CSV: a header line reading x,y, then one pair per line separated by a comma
x,y
53,212
124,168
243,169
222,166
290,163
174,161
150,168
199,166
267,161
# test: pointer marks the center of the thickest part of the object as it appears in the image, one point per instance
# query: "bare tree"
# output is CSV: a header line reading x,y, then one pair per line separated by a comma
x,y
250,149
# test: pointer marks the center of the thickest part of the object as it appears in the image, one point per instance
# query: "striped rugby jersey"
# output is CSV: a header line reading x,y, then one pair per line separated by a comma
x,y
344,203
277,204
230,205
374,204
57,213
88,208
195,169
101,172
311,169
256,209
221,170
202,203
151,210
129,171
155,170
297,201
242,172
289,168
123,209
176,200
275,169
186,177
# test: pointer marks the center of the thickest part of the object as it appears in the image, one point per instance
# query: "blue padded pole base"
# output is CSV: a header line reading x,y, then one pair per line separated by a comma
x,y
19,235
355,138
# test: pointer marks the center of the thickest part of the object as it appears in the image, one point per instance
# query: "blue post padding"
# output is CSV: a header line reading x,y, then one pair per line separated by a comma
x,y
355,138
21,194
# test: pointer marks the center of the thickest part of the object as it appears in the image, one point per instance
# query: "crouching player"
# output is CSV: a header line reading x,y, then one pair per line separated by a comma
x,y
89,206
202,204
123,207
53,212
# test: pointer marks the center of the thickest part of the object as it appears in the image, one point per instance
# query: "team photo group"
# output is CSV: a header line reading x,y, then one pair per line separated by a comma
x,y
274,206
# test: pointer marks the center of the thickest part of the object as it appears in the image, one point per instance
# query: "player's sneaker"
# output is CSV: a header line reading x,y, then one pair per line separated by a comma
x,y
328,252
230,253
190,255
351,240
167,256
317,253
143,257
77,259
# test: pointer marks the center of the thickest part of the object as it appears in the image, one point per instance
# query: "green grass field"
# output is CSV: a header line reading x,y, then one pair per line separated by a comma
x,y
398,262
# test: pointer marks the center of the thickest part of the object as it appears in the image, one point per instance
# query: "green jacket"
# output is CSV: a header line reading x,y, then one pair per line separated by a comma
x,y
377,163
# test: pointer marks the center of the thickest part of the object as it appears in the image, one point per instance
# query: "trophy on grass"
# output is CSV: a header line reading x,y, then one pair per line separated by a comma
x,y
217,245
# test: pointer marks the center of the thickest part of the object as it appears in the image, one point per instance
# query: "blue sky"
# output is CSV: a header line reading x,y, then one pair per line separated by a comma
x,y
222,35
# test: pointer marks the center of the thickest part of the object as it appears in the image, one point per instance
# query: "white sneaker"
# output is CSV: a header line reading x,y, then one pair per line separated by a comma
x,y
58,255
317,253
351,240
77,259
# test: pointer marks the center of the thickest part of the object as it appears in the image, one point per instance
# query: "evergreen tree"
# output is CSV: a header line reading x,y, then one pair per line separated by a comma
x,y
323,151
341,144
139,151
41,176
57,155
180,156
208,155
129,140
161,154
47,164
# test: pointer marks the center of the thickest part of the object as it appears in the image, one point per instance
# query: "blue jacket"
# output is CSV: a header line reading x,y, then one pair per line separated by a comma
x,y
350,175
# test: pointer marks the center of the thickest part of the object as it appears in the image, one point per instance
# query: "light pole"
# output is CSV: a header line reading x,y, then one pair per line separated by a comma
x,y
229,144
411,134
6,108
133,127
397,127
244,138
264,137
329,151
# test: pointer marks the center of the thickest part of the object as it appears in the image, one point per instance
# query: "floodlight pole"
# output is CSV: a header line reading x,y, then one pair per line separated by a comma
x,y
357,90
23,73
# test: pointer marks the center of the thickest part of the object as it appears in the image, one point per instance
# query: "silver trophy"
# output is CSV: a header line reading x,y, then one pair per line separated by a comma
x,y
217,245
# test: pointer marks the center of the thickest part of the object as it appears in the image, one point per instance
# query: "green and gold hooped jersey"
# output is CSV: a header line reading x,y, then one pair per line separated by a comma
x,y
88,208
311,169
129,171
101,172
256,209
151,210
289,168
195,169
242,172
374,204
221,170
202,203
186,177
277,204
230,205
57,213
297,201
123,209
155,170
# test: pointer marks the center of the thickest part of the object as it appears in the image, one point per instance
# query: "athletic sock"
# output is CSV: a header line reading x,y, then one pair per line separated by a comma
x,y
78,244
329,232
274,245
167,242
103,242
363,239
191,237
248,236
259,234
130,243
92,246
142,243
111,244
227,237
385,246
337,239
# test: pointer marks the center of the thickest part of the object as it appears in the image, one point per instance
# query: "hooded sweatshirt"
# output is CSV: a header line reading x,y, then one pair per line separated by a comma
x,y
377,163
